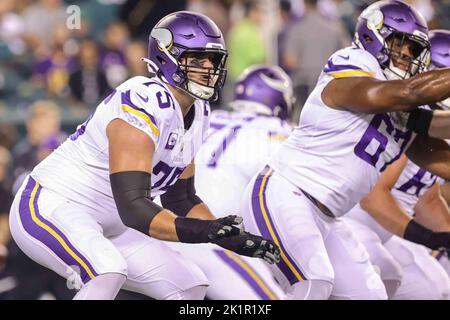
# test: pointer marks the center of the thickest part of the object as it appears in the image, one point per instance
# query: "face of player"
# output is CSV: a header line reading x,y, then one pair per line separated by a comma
x,y
402,52
200,68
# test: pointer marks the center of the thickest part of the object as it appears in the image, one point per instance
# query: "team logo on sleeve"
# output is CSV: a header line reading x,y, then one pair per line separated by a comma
x,y
172,140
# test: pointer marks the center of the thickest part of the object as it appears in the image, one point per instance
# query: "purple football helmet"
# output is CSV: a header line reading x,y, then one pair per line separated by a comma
x,y
264,90
385,22
181,34
440,56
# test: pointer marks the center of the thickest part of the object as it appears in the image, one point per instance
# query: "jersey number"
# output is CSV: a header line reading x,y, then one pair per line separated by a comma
x,y
167,174
374,135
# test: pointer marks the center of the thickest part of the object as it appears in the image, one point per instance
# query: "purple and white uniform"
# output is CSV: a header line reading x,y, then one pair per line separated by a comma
x,y
397,259
336,157
64,215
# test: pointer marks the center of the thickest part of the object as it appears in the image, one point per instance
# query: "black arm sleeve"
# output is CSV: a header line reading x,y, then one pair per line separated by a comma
x,y
417,233
131,191
419,121
181,198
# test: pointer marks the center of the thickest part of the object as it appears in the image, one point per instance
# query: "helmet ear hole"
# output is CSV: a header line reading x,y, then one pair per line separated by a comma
x,y
161,60
367,38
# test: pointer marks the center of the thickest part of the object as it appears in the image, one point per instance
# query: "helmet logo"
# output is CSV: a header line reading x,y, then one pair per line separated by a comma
x,y
163,37
374,18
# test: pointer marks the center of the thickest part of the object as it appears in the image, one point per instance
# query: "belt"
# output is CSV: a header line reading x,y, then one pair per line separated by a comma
x,y
323,208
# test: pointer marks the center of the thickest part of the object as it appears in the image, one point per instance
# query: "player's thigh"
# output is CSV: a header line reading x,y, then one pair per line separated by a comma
x,y
276,209
154,269
61,235
423,276
355,276
384,263
231,276
359,214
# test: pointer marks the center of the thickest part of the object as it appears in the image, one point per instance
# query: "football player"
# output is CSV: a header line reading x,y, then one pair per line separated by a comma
x,y
86,211
406,191
353,125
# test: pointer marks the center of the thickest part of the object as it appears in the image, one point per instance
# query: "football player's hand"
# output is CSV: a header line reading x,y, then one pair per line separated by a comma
x,y
250,245
224,227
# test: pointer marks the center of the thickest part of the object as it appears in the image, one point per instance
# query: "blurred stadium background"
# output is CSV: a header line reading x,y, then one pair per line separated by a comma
x,y
59,58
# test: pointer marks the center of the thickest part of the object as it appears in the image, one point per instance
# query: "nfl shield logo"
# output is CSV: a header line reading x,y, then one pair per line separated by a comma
x,y
173,137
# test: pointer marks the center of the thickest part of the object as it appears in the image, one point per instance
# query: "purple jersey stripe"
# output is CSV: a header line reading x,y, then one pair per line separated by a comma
x,y
440,254
44,236
244,274
286,264
126,99
331,67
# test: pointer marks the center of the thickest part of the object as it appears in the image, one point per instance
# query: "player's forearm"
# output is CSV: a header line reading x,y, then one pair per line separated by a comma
x,y
440,125
429,87
201,211
383,207
162,226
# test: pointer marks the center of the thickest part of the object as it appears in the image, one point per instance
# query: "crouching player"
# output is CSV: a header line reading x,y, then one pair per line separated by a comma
x,y
88,207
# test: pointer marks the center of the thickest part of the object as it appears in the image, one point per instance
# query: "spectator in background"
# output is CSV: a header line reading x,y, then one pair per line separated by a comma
x,y
133,54
52,70
217,10
88,84
245,41
43,123
309,44
12,28
141,15
41,18
5,203
112,57
287,20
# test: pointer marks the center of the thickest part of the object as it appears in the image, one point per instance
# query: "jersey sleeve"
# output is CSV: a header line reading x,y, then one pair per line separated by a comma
x,y
136,108
351,62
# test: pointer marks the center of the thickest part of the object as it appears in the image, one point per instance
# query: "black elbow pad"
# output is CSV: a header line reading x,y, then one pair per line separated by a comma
x,y
419,121
131,191
181,198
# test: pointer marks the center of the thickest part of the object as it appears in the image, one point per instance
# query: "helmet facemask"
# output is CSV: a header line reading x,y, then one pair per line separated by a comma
x,y
400,65
204,72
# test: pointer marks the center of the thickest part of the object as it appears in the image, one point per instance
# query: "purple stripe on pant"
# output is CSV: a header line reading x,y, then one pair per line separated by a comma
x,y
264,229
39,233
244,274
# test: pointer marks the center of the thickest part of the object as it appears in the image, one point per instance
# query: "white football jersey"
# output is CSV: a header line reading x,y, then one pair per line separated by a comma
x,y
336,155
79,168
412,184
237,146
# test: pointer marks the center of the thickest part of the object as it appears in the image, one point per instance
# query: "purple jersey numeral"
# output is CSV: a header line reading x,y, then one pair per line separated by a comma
x,y
223,145
416,182
169,174
164,104
373,133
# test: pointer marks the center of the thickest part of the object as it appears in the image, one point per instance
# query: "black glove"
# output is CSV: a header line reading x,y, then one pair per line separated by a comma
x,y
202,231
417,233
250,245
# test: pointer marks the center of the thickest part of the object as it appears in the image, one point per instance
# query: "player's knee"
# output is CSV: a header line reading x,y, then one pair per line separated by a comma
x,y
194,293
311,290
